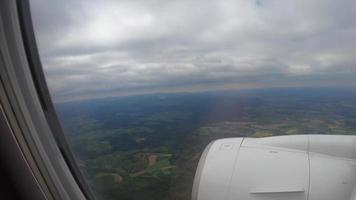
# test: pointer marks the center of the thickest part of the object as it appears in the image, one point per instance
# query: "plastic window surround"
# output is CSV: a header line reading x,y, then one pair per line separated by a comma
x,y
30,110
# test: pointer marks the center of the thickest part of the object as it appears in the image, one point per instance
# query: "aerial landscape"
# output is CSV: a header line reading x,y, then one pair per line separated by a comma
x,y
142,87
148,146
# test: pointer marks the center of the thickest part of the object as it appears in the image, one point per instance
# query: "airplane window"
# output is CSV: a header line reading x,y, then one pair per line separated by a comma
x,y
143,87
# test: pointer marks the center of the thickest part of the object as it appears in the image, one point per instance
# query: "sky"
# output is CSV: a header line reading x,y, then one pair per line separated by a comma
x,y
94,49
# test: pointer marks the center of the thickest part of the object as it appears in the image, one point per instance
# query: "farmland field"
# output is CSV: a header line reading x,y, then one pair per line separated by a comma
x,y
148,146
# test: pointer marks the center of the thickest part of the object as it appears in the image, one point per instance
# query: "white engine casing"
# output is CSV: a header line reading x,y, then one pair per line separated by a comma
x,y
298,167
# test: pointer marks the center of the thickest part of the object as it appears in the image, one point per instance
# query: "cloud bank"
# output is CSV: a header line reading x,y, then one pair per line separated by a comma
x,y
92,49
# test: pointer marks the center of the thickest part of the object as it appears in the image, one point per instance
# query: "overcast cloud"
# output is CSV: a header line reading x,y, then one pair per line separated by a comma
x,y
93,49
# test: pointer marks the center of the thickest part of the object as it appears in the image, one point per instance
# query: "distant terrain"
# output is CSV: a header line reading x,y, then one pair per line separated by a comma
x,y
147,147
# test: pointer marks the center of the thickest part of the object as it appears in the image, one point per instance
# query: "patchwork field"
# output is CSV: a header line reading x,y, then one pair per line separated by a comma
x,y
147,147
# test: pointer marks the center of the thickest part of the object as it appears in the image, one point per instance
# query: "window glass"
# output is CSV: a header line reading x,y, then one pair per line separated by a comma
x,y
142,87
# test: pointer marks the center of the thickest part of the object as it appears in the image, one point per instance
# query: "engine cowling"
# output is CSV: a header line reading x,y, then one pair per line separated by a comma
x,y
301,167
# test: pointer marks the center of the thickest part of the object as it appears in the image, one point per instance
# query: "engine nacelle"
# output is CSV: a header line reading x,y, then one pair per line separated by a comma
x,y
301,167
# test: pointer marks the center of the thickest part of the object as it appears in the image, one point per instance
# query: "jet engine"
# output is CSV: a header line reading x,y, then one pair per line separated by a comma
x,y
299,167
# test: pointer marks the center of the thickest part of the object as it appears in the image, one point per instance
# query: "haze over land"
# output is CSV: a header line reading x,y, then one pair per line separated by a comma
x,y
147,147
94,49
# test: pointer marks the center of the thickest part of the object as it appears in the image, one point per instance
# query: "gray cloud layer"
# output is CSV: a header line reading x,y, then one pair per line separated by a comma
x,y
99,48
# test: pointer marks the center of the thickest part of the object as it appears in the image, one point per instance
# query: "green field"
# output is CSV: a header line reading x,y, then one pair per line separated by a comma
x,y
147,147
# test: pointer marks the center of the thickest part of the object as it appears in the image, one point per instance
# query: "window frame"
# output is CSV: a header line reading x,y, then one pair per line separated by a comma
x,y
27,105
